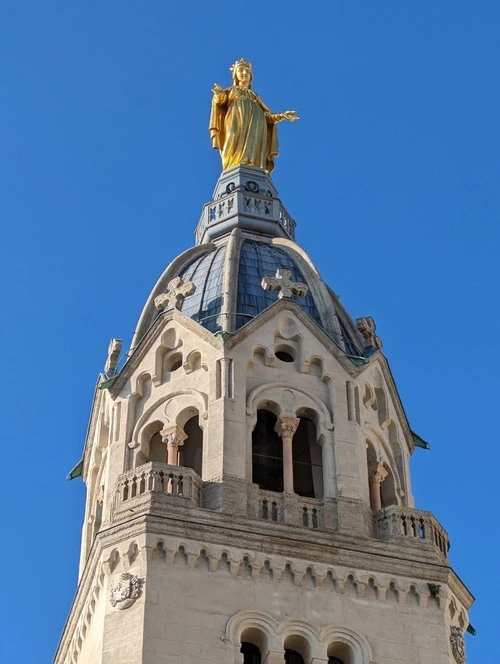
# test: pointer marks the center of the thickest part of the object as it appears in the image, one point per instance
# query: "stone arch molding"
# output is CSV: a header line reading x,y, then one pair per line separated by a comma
x,y
275,635
171,408
289,400
356,641
390,453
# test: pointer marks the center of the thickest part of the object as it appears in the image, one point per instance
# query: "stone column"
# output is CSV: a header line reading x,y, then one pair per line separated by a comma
x,y
328,461
285,428
174,437
376,475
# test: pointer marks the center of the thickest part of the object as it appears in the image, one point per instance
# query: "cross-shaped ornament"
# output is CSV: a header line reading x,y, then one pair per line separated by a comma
x,y
283,283
177,290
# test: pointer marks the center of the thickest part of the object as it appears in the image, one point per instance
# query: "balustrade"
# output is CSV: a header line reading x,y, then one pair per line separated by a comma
x,y
290,509
159,478
394,522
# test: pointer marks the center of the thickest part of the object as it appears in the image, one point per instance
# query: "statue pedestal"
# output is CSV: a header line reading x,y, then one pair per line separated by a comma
x,y
244,197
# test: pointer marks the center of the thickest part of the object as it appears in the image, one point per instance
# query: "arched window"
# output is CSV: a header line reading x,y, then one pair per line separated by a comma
x,y
340,653
267,453
307,466
251,654
191,453
297,649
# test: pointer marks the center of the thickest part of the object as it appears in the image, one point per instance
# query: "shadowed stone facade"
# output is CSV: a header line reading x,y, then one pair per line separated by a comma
x,y
248,487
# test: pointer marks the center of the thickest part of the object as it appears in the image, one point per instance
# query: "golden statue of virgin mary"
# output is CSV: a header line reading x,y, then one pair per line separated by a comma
x,y
242,127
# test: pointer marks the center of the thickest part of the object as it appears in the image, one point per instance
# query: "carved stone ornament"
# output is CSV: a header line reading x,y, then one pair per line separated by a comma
x,y
457,644
367,327
126,591
286,427
282,282
176,291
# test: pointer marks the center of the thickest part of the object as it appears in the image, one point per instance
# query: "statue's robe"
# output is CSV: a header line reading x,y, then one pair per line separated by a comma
x,y
241,130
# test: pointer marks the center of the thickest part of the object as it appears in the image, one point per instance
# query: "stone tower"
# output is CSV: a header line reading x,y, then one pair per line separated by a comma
x,y
248,488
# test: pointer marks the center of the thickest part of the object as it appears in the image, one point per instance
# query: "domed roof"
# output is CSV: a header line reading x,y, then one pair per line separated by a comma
x,y
256,260
228,275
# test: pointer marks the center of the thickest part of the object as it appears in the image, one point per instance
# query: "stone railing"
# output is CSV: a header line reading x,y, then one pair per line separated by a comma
x,y
161,479
395,522
291,509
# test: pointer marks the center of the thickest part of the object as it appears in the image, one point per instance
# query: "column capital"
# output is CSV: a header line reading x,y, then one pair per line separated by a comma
x,y
286,426
173,435
376,473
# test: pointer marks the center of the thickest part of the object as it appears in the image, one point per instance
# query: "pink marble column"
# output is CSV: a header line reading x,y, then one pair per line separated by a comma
x,y
174,437
285,428
376,475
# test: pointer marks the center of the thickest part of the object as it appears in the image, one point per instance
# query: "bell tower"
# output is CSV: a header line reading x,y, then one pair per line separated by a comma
x,y
249,495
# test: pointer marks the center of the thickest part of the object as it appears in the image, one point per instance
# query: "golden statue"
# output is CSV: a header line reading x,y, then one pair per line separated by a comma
x,y
241,126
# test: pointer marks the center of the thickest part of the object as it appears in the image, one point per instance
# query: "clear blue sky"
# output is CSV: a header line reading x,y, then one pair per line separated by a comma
x,y
392,175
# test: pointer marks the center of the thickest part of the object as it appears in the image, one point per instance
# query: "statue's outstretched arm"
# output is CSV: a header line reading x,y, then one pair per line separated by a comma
x,y
291,116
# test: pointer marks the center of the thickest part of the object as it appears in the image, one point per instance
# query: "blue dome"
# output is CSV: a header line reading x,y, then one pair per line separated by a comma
x,y
259,260
205,304
256,260
217,305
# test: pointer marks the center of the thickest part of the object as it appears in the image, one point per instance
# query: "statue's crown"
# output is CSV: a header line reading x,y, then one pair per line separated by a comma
x,y
239,62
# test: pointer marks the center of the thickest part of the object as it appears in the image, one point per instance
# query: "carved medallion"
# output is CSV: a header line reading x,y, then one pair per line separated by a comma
x,y
126,591
457,645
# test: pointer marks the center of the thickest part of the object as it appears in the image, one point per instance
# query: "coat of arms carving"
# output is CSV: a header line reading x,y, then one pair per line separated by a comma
x,y
126,591
457,645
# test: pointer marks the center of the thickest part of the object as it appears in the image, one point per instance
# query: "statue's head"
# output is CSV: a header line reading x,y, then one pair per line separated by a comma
x,y
242,72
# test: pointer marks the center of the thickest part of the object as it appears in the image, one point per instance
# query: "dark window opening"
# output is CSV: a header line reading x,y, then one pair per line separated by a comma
x,y
283,356
293,657
267,453
307,461
157,449
251,654
191,453
335,660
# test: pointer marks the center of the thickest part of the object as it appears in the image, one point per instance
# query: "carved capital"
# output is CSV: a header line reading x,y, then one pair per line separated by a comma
x,y
173,435
286,427
376,473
